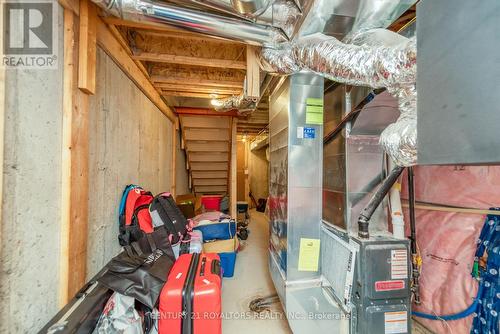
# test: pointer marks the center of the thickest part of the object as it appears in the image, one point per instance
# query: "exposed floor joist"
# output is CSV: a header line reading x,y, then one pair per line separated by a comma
x,y
192,61
198,89
193,94
158,79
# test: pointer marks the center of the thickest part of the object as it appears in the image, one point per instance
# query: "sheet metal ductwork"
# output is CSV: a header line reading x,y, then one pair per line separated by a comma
x,y
376,58
251,8
209,24
281,14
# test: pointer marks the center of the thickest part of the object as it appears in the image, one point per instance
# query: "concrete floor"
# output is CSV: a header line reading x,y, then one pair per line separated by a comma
x,y
251,280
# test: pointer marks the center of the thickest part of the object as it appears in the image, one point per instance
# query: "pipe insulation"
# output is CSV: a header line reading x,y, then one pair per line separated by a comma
x,y
369,61
205,23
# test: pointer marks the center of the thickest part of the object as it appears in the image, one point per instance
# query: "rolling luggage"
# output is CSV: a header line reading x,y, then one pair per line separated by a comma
x,y
190,301
82,313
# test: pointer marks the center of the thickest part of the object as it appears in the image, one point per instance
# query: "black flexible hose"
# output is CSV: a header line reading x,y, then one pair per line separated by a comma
x,y
377,198
413,237
411,198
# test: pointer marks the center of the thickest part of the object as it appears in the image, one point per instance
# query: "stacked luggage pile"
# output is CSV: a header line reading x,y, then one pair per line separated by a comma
x,y
167,279
219,233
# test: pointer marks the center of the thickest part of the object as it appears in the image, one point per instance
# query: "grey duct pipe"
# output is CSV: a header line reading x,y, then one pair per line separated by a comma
x,y
223,6
245,9
209,24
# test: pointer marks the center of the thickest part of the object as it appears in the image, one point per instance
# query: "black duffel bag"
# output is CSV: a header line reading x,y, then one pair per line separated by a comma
x,y
141,270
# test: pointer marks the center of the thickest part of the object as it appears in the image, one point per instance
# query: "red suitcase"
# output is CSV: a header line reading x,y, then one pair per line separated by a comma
x,y
190,301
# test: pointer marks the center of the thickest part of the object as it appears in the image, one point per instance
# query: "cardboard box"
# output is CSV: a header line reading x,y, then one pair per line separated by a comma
x,y
189,204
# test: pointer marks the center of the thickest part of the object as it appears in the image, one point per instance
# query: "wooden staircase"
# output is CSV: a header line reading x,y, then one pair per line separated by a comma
x,y
207,141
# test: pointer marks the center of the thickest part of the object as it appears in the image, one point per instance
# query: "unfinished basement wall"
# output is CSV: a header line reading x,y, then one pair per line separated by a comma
x,y
181,176
258,170
31,201
130,142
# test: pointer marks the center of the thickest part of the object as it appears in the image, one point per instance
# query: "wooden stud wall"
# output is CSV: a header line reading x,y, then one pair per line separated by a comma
x,y
74,215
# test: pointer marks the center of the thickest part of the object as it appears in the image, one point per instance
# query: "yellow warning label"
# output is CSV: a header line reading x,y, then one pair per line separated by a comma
x,y
314,111
309,254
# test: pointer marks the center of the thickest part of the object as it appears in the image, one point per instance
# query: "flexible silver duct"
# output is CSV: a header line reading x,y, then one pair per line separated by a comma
x,y
285,15
209,24
371,63
242,103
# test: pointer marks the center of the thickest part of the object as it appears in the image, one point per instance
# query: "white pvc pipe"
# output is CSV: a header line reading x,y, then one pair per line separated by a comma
x,y
398,224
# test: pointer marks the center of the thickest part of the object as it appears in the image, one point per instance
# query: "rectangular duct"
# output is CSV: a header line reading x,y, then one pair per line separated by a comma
x,y
458,82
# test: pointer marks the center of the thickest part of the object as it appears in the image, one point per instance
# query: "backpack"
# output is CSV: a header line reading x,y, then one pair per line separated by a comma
x,y
134,217
165,212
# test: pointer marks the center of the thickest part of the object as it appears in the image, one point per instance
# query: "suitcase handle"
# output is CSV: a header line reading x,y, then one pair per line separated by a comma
x,y
216,268
202,267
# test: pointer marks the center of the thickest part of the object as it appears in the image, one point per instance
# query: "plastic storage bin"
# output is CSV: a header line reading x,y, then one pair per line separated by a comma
x,y
227,263
211,202
227,250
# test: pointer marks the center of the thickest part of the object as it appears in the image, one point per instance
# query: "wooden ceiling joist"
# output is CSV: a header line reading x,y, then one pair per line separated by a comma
x,y
184,34
108,42
159,79
254,125
191,61
203,112
199,89
191,94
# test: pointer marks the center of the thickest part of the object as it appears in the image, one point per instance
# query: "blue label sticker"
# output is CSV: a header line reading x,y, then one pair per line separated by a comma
x,y
309,133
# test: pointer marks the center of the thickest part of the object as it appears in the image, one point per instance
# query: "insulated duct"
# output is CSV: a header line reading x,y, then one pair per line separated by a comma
x,y
373,59
243,103
209,24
